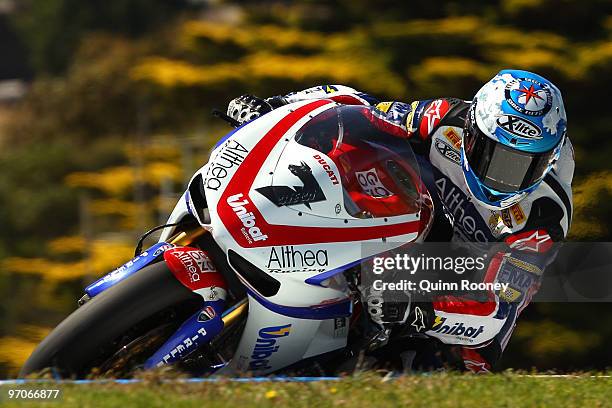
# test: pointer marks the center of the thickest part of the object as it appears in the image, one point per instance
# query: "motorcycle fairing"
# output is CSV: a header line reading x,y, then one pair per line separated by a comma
x,y
297,239
278,203
180,211
277,206
272,341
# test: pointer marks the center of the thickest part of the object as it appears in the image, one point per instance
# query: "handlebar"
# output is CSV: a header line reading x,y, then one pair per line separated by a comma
x,y
222,115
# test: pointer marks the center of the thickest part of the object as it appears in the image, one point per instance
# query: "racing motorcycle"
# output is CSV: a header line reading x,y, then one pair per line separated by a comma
x,y
284,210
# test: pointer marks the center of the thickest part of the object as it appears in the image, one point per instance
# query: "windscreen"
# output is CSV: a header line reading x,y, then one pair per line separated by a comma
x,y
379,174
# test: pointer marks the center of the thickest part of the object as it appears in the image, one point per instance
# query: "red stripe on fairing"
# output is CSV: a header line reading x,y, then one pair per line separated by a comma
x,y
348,100
243,179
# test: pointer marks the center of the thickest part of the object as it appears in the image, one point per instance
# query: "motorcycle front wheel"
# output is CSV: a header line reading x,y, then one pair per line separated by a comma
x,y
94,333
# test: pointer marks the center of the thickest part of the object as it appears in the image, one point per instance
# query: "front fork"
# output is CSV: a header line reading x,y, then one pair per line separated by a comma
x,y
194,269
198,330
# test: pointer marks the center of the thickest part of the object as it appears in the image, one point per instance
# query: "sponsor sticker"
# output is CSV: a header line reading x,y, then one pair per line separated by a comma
x,y
370,183
266,346
287,259
518,213
328,169
230,156
458,329
496,223
517,126
517,277
185,346
193,262
250,230
506,218
447,151
466,219
206,314
330,89
432,115
310,192
453,137
340,327
533,241
500,220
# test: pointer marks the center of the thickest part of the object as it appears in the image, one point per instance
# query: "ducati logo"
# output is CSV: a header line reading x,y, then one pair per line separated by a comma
x,y
310,192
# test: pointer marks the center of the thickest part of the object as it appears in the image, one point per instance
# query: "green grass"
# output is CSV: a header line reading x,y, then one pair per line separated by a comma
x,y
438,390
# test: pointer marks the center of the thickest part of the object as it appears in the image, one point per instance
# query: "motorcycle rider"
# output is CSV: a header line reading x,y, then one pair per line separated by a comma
x,y
502,167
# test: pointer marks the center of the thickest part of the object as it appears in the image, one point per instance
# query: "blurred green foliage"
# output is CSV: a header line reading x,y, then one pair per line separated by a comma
x,y
53,29
119,111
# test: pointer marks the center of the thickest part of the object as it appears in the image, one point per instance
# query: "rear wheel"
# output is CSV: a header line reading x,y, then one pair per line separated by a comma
x,y
143,309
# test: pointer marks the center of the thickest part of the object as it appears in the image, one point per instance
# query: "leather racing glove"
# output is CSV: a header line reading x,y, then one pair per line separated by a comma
x,y
246,108
399,310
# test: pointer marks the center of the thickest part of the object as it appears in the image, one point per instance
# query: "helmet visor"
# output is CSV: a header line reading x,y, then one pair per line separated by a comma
x,y
500,167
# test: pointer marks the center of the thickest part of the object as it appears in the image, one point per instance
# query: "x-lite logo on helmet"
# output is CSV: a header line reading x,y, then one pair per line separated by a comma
x,y
518,126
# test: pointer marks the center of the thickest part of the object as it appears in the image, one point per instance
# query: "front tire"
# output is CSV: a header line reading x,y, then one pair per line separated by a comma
x,y
90,333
